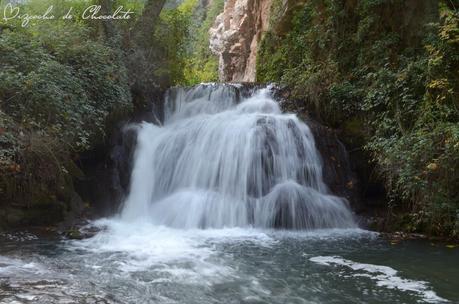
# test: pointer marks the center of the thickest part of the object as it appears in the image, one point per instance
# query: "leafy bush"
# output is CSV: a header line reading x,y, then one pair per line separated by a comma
x,y
59,84
65,89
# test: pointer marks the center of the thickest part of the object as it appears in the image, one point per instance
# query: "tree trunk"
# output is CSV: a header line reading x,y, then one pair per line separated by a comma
x,y
143,30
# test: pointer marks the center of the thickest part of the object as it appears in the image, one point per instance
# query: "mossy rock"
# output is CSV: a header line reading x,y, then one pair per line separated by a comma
x,y
13,217
74,171
46,213
353,132
74,234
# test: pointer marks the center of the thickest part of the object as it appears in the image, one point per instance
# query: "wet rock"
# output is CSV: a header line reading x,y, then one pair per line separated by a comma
x,y
107,173
338,173
74,235
81,232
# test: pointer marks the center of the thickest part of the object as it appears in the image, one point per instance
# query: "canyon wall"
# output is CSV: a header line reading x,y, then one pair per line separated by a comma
x,y
235,36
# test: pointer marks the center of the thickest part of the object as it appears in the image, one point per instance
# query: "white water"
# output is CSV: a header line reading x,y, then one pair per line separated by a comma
x,y
384,276
224,160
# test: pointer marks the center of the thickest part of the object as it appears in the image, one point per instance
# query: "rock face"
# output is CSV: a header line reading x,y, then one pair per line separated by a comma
x,y
235,37
107,172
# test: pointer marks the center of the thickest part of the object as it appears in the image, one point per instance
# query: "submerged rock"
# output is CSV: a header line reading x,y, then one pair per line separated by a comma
x,y
81,232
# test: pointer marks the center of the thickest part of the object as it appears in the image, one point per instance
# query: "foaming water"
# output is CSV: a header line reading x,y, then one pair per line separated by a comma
x,y
384,276
189,255
228,158
147,263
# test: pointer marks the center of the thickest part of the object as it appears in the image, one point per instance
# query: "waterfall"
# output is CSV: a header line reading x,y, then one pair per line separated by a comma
x,y
227,156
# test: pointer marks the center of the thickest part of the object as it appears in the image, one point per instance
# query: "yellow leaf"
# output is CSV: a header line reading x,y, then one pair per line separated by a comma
x,y
432,166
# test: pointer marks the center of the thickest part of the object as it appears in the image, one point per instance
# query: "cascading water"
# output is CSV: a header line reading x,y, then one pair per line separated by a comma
x,y
228,159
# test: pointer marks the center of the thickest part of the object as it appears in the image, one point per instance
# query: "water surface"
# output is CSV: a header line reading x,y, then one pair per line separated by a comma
x,y
148,264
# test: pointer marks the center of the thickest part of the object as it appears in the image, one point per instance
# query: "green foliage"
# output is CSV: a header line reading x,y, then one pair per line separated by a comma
x,y
399,77
420,156
182,40
59,84
201,65
66,89
170,37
